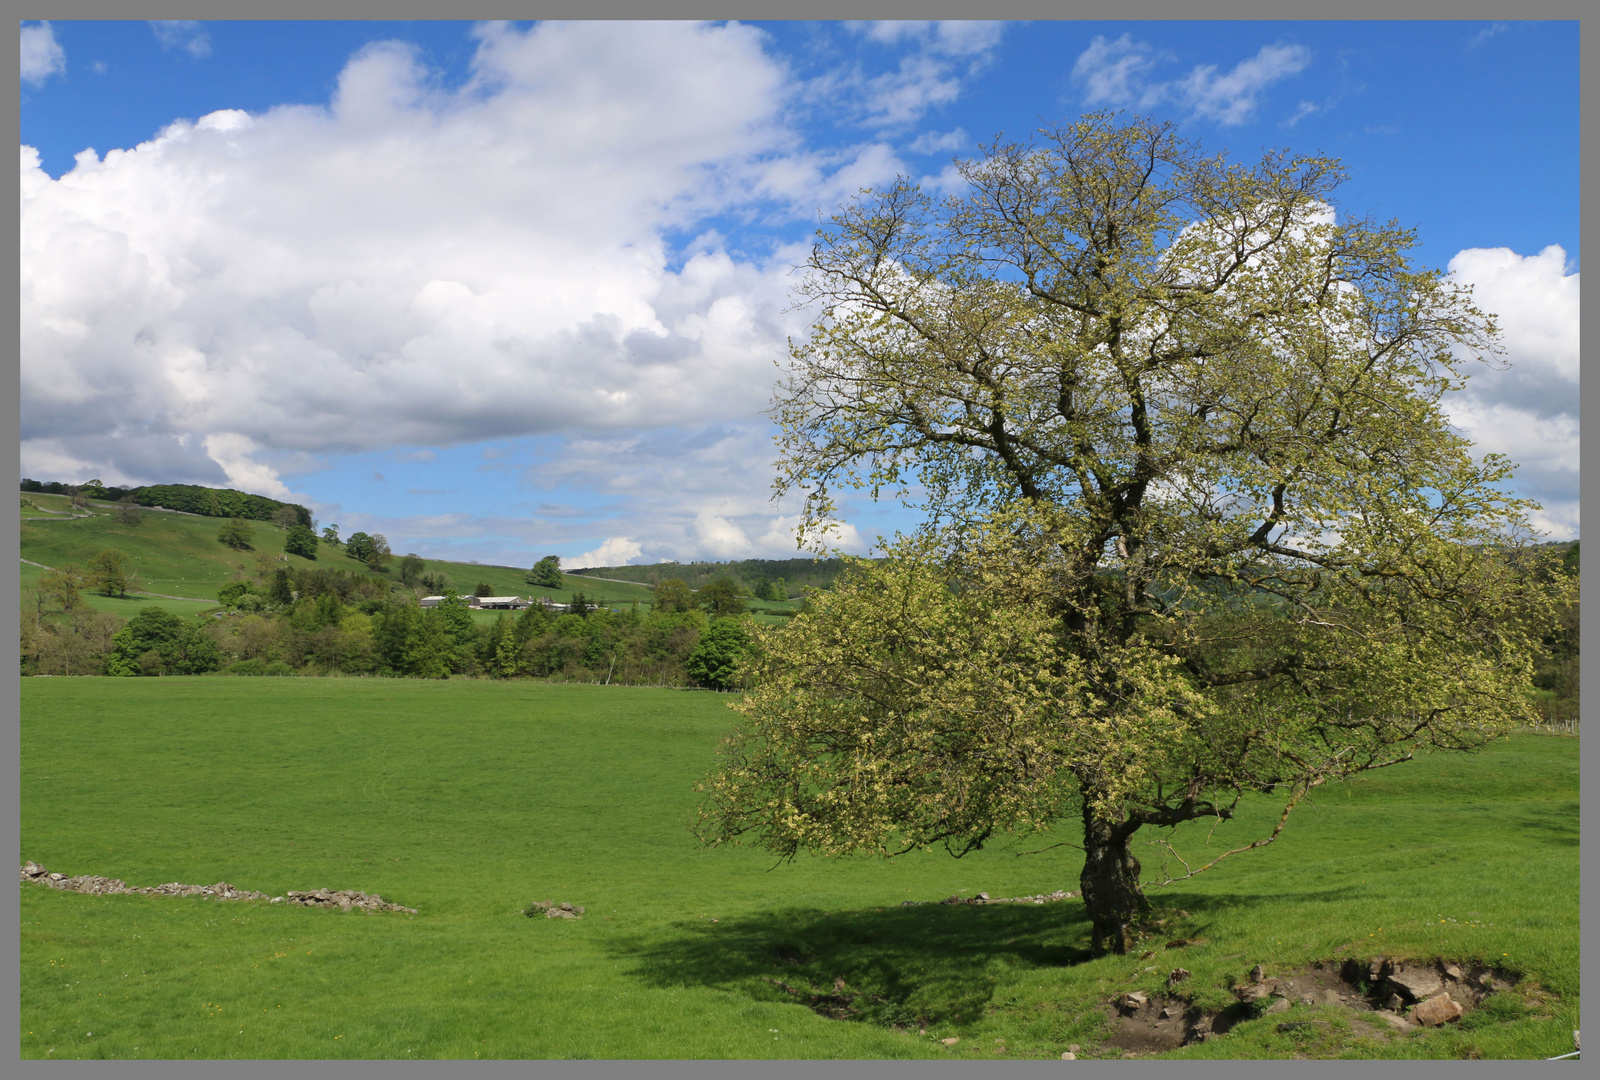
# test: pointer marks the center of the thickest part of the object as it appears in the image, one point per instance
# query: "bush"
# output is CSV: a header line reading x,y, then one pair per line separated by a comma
x,y
246,667
715,661
277,667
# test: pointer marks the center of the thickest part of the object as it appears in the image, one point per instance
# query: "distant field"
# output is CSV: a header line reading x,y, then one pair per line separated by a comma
x,y
468,799
178,554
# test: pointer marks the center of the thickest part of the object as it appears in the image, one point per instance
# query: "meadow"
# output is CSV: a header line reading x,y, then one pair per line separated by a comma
x,y
469,799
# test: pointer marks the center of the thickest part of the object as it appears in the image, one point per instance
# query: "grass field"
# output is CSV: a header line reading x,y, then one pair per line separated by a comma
x,y
467,800
178,554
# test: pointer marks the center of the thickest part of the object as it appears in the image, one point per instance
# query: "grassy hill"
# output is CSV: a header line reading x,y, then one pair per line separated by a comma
x,y
177,555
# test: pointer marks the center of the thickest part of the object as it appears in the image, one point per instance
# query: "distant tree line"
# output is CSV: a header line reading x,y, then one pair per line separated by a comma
x,y
756,577
324,621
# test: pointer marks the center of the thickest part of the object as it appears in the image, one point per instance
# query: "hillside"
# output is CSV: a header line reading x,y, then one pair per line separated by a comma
x,y
177,555
750,574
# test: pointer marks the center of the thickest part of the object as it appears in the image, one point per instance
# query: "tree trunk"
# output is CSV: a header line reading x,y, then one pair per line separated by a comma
x,y
1110,882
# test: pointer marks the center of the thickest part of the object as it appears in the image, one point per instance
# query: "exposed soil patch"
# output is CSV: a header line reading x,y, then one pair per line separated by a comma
x,y
343,899
842,1004
1378,994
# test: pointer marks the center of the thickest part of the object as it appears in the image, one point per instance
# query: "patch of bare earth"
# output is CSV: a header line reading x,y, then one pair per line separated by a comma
x,y
1379,995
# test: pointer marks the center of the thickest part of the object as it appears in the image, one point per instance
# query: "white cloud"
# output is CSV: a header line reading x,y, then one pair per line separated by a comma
x,y
940,56
1493,30
42,55
614,551
1113,72
931,142
1117,73
1303,110
1527,408
183,34
411,266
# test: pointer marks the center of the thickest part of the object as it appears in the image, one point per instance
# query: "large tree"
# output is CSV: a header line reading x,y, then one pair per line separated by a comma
x,y
546,573
1197,525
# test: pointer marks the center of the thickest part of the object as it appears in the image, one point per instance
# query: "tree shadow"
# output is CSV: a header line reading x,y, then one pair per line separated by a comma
x,y
904,967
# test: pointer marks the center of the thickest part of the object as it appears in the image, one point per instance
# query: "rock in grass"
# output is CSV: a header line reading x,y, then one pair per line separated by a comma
x,y
1437,1010
1394,1020
950,1041
1416,983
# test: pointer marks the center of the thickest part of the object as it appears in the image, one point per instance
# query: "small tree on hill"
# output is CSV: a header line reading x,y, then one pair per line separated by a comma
x,y
673,594
483,588
285,517
301,541
411,568
1198,525
358,546
546,573
722,597
108,573
128,512
61,586
330,535
235,533
436,582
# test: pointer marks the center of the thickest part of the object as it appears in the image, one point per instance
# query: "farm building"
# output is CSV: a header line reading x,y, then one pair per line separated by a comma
x,y
495,603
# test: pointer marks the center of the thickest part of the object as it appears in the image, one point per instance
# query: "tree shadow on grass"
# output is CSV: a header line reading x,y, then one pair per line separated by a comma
x,y
895,966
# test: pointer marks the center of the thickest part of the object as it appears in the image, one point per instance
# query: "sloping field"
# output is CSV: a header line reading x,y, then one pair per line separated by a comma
x,y
178,555
468,800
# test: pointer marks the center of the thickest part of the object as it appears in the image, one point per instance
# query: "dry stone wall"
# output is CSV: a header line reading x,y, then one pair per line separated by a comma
x,y
343,899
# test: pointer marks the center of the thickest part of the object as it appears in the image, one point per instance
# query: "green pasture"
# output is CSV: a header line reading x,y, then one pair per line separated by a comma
x,y
125,606
178,554
468,799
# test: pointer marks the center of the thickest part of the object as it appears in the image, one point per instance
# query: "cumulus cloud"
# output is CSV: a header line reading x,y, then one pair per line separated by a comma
x,y
184,34
615,551
1527,406
42,54
410,266
1118,73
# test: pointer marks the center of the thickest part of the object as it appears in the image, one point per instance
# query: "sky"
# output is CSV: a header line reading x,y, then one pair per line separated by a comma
x,y
499,291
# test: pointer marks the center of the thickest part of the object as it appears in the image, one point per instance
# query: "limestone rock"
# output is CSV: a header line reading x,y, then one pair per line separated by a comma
x,y
1258,974
1416,983
1396,1021
1281,1005
1437,1010
950,1041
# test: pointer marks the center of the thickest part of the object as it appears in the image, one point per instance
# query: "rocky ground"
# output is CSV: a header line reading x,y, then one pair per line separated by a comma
x,y
1400,995
343,899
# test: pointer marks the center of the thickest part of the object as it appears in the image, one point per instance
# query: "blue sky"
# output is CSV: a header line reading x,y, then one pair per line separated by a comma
x,y
499,291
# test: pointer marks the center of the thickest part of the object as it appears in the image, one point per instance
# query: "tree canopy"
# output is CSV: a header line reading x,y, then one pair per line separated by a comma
x,y
1196,523
545,573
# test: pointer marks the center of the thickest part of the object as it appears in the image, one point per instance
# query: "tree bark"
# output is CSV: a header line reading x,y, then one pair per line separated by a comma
x,y
1110,883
